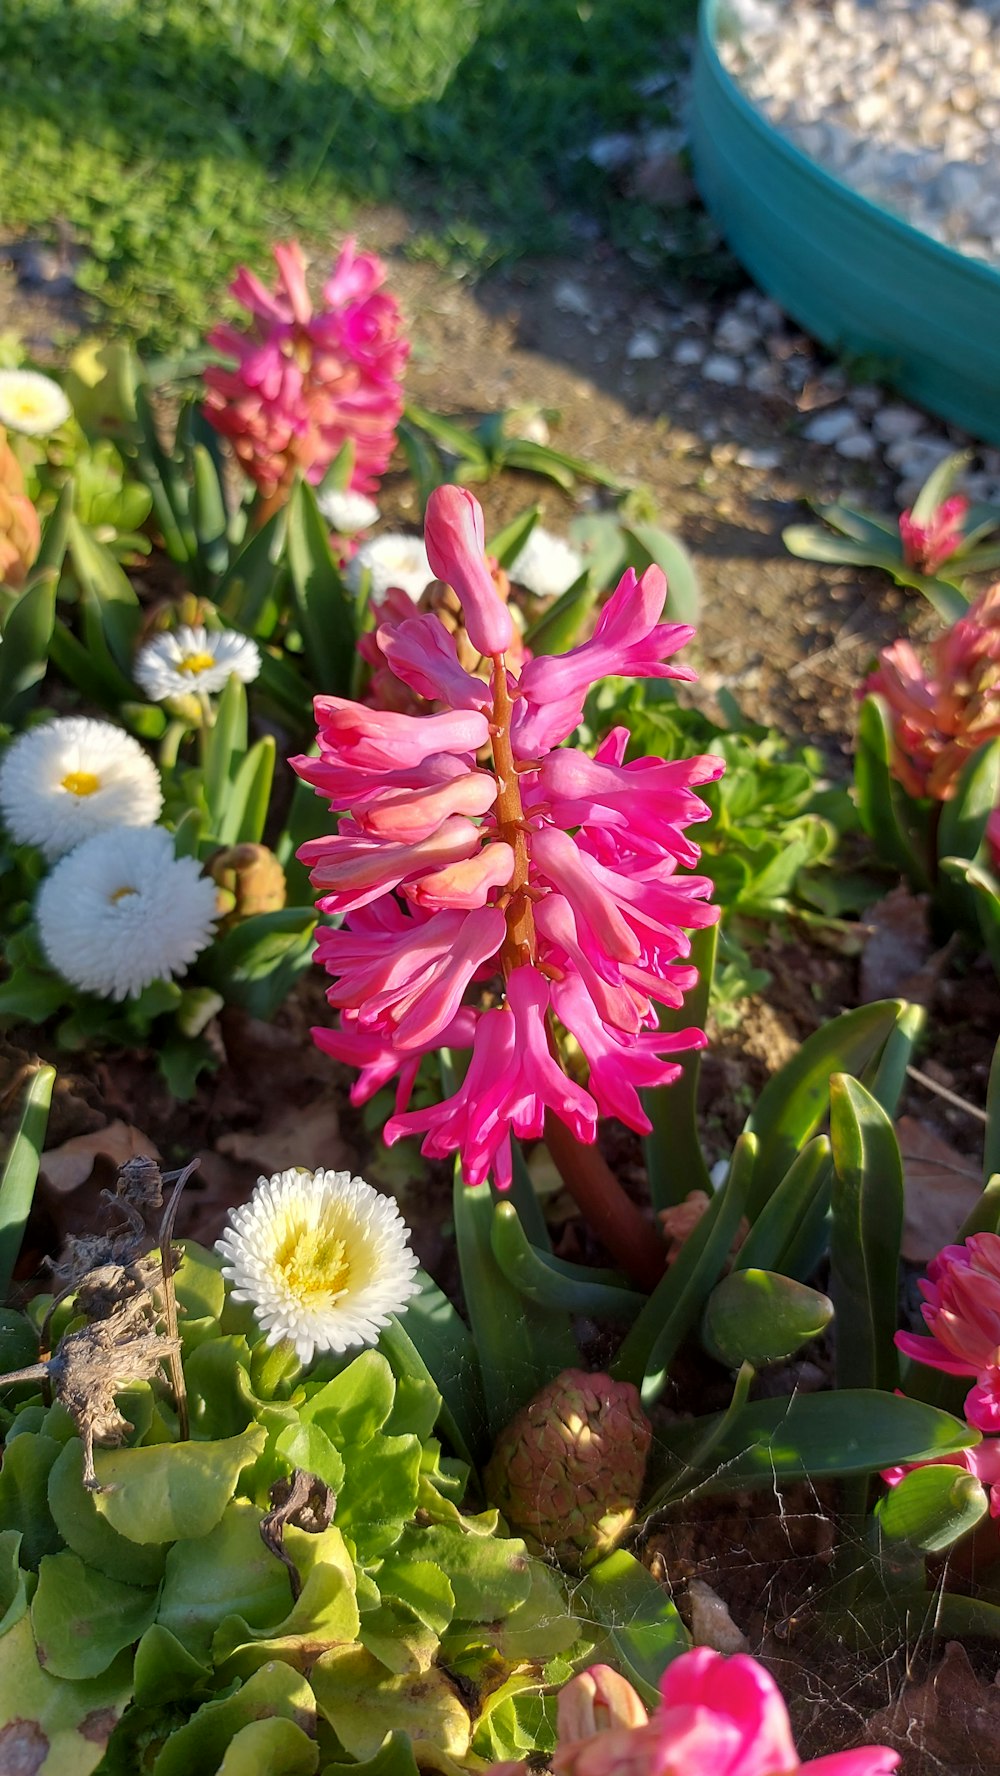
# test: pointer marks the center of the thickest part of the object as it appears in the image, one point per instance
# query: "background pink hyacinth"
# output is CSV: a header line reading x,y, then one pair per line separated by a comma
x,y
940,717
307,380
499,887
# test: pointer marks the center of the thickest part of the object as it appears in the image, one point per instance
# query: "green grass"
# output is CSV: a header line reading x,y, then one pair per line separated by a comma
x,y
178,137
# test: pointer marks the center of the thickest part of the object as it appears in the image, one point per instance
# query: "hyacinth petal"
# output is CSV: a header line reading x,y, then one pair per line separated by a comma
x,y
740,1693
411,815
456,548
350,871
464,884
423,655
929,1352
866,1760
383,740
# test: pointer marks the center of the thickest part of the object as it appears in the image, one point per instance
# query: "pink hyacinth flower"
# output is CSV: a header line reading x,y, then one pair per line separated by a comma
x,y
993,837
962,1309
927,547
303,381
716,1717
502,891
941,717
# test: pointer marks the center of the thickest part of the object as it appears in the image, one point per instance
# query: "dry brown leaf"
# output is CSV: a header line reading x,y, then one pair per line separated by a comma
x,y
897,961
940,1185
65,1168
308,1137
951,1721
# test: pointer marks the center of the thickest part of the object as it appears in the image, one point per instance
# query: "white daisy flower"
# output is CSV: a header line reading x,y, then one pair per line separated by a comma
x,y
121,911
194,660
347,512
64,781
322,1258
547,565
31,403
392,560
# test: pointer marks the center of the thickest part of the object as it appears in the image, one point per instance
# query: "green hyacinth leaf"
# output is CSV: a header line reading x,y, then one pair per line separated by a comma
x,y
840,1434
931,1508
640,1629
796,1099
760,1317
82,1619
866,1234
172,1490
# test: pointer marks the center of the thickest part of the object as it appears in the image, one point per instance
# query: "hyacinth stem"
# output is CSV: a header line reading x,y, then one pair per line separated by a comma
x,y
602,1202
519,945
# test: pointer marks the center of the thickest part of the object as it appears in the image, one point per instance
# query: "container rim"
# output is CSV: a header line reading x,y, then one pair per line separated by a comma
x,y
710,14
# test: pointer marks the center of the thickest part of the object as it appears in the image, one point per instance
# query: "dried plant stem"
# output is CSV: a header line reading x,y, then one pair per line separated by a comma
x,y
174,1363
626,1232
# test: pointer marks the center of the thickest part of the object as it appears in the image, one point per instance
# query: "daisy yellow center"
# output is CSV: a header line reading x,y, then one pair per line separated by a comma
x,y
121,894
195,663
313,1263
81,783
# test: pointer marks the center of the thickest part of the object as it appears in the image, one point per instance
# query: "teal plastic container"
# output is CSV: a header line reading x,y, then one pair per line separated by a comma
x,y
850,273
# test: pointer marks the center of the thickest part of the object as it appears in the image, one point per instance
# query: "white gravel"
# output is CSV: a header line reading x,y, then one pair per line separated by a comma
x,y
899,98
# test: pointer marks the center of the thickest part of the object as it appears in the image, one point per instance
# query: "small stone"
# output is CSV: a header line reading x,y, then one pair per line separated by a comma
x,y
827,427
856,446
571,298
722,369
613,152
892,423
764,380
688,352
643,345
736,334
759,459
711,1623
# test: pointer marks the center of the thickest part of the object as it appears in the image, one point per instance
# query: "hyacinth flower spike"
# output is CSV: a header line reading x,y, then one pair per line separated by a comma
x,y
499,888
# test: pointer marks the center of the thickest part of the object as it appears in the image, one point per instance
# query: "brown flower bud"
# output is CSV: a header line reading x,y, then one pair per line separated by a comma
x,y
250,880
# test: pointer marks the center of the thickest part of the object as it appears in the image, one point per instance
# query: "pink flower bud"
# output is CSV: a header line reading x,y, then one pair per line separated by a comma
x,y
456,549
595,1701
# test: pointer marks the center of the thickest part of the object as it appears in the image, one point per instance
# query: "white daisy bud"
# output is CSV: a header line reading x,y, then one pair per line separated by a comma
x,y
547,565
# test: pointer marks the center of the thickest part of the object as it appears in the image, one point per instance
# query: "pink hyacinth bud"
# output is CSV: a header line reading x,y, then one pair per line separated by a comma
x,y
456,549
962,1310
993,837
928,546
596,1701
